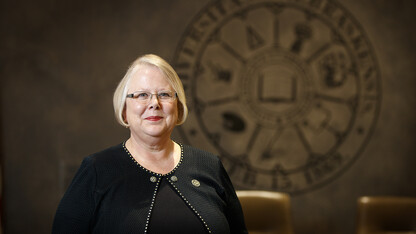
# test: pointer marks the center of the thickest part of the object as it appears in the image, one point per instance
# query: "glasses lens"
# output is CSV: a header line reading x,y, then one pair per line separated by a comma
x,y
165,95
142,96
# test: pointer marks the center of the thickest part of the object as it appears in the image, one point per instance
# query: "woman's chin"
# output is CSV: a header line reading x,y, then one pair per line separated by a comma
x,y
157,132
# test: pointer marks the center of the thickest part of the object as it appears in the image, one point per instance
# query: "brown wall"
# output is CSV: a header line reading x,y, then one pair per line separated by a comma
x,y
60,63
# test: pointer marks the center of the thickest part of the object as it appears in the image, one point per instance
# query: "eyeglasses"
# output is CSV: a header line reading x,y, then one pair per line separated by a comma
x,y
145,97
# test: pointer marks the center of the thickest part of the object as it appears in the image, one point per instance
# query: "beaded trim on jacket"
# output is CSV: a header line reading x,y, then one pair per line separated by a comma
x,y
151,172
157,180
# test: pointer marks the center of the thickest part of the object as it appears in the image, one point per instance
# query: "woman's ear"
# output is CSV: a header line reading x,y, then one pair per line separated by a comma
x,y
124,116
180,112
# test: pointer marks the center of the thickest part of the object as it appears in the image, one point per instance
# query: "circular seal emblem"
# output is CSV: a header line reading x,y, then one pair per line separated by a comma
x,y
287,92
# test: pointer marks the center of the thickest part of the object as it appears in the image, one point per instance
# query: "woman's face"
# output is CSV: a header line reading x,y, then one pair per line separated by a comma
x,y
154,118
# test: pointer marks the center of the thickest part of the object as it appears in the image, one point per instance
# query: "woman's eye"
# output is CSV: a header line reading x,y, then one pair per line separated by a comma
x,y
142,95
164,95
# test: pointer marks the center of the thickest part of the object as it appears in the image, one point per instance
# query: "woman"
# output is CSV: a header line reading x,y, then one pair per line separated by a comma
x,y
149,183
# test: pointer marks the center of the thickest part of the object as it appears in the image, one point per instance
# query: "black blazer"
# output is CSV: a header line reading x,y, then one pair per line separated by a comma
x,y
112,193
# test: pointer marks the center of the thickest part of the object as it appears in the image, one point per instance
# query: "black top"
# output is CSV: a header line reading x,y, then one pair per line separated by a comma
x,y
171,214
112,193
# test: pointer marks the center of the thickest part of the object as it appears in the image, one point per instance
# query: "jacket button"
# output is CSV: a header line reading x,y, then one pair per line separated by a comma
x,y
153,179
195,183
174,178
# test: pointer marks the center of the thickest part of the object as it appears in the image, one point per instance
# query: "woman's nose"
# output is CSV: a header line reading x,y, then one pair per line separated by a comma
x,y
154,101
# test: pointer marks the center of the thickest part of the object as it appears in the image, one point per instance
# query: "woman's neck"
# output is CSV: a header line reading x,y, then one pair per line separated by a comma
x,y
160,156
155,146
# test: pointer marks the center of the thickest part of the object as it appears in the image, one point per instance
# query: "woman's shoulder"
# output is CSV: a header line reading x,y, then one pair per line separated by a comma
x,y
196,150
109,164
109,157
199,154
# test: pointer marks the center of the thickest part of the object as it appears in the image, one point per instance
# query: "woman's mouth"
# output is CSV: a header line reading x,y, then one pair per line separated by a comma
x,y
153,118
